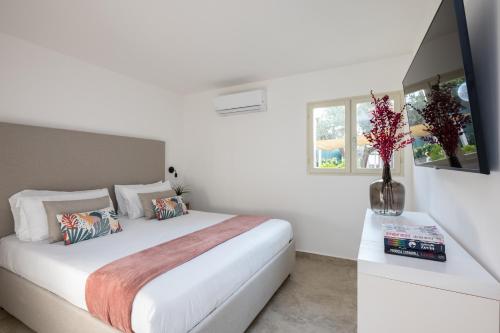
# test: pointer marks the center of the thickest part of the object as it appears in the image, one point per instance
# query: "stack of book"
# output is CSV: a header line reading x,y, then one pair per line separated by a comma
x,y
424,242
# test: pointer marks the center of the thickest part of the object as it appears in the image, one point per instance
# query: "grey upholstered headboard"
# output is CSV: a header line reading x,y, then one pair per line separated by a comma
x,y
54,159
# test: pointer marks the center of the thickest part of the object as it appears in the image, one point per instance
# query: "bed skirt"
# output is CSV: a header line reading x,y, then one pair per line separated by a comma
x,y
45,312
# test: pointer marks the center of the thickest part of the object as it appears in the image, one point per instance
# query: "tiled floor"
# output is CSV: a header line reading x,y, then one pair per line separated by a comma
x,y
320,296
9,324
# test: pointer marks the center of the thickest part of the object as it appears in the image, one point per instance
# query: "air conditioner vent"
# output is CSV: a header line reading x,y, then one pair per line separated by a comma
x,y
242,102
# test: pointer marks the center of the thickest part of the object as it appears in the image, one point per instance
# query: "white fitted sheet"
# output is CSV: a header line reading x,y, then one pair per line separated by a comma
x,y
173,302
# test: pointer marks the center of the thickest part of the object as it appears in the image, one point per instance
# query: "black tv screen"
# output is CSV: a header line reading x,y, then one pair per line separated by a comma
x,y
442,101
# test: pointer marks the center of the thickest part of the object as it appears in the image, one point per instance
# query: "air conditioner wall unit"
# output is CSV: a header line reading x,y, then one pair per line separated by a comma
x,y
242,102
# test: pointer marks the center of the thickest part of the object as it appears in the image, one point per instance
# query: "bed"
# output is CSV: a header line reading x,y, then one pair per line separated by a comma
x,y
221,290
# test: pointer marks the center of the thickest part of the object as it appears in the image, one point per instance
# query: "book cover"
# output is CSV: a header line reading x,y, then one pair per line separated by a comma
x,y
429,234
415,254
411,244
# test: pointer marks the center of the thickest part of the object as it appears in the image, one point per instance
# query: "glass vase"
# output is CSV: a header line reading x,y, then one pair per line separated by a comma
x,y
387,197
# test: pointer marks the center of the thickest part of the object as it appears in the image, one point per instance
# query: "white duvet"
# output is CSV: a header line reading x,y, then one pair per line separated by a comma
x,y
173,302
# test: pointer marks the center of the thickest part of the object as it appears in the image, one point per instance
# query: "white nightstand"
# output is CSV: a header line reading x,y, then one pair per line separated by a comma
x,y
411,295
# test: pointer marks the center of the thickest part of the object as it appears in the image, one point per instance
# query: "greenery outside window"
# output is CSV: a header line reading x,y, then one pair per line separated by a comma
x,y
336,143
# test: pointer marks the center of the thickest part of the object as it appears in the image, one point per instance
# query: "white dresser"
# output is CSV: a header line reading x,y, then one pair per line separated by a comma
x,y
401,294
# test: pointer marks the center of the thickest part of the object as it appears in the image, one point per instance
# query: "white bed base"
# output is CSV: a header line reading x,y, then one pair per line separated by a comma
x,y
45,312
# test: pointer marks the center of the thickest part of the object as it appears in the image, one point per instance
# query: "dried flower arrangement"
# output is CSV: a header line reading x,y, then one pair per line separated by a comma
x,y
387,134
443,120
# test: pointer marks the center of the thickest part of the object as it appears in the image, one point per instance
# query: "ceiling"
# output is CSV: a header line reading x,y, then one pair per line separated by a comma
x,y
187,46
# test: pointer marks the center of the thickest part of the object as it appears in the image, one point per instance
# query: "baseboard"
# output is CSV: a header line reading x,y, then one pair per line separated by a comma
x,y
322,256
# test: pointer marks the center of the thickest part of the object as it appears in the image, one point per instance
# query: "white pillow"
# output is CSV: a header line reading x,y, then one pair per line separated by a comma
x,y
134,206
120,198
33,215
21,228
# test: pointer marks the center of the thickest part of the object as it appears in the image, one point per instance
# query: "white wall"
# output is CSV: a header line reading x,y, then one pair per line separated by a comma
x,y
42,87
467,204
256,163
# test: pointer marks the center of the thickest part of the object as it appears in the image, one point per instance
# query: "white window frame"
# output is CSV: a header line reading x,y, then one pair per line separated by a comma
x,y
310,136
351,167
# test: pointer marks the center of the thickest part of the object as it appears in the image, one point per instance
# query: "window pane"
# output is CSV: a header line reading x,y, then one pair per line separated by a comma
x,y
329,137
366,156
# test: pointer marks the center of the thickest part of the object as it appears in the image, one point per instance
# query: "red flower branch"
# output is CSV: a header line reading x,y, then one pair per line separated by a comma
x,y
443,118
387,134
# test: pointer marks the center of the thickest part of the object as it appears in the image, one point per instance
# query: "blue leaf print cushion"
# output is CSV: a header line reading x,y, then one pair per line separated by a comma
x,y
77,227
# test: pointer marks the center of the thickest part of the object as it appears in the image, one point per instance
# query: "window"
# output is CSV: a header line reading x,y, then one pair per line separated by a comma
x,y
329,136
336,143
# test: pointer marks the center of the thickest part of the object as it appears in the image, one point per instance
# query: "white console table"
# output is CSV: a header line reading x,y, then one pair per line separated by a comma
x,y
401,294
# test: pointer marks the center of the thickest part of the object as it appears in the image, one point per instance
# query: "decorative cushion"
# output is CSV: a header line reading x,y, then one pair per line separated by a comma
x,y
169,207
77,227
52,208
147,204
32,212
134,207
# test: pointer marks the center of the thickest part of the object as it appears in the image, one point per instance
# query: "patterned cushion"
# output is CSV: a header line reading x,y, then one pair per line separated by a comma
x,y
169,207
146,201
77,227
53,208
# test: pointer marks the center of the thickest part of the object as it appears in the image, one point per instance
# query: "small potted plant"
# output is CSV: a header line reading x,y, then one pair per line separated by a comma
x,y
387,135
181,189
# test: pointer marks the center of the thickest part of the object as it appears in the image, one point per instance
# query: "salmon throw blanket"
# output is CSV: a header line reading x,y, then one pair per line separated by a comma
x,y
110,291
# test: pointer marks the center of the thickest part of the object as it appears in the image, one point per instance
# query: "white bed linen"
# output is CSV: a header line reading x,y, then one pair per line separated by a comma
x,y
173,302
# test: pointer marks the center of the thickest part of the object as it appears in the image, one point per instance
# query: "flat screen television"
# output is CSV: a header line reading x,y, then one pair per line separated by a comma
x,y
441,97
